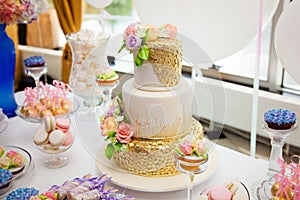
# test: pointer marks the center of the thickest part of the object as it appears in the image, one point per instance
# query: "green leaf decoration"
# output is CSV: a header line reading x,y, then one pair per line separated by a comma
x,y
194,151
144,52
111,134
138,61
118,146
144,41
126,119
179,151
122,47
109,151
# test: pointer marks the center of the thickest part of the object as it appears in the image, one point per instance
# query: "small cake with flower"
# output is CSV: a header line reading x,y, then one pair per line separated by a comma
x,y
156,107
191,154
107,77
12,161
280,119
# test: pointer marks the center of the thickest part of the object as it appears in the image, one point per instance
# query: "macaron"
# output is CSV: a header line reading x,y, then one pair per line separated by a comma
x,y
69,138
50,123
219,192
57,138
231,187
40,136
63,124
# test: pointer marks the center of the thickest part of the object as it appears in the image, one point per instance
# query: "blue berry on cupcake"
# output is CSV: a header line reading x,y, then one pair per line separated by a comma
x,y
280,119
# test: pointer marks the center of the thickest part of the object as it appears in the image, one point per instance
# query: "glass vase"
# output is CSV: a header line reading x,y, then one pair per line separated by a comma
x,y
88,58
8,61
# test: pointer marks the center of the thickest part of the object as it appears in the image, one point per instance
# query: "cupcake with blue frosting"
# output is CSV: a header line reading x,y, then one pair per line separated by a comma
x,y
280,119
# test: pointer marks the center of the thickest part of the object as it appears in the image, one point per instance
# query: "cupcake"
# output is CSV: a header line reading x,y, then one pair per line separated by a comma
x,y
34,61
22,193
107,77
191,155
280,119
5,177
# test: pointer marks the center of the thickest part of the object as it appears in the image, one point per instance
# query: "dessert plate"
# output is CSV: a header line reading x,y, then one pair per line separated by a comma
x,y
23,174
75,105
152,184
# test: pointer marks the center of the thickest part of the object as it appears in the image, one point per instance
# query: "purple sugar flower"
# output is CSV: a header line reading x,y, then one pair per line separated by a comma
x,y
133,42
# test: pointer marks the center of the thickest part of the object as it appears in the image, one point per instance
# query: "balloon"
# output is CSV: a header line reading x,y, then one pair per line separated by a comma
x,y
287,39
99,3
220,27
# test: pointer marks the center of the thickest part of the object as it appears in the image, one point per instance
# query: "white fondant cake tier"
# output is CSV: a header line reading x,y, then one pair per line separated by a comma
x,y
158,114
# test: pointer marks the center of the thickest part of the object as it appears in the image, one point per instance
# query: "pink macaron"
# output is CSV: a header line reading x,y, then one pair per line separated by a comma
x,y
219,193
63,124
69,138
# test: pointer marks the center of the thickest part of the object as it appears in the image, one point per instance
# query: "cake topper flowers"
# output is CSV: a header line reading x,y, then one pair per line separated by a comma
x,y
192,147
114,125
20,11
136,36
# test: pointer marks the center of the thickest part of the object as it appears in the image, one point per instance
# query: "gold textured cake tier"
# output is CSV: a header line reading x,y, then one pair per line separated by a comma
x,y
165,55
153,157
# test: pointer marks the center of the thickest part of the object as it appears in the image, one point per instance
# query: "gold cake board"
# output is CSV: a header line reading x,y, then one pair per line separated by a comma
x,y
131,181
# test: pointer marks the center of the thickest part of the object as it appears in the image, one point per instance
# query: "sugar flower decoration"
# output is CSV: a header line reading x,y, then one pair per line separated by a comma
x,y
137,35
21,11
192,147
115,127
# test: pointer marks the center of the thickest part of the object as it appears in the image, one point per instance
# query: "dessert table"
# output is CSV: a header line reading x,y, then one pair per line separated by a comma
x,y
231,165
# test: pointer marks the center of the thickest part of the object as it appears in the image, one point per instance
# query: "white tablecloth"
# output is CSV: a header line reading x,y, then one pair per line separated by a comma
x,y
232,165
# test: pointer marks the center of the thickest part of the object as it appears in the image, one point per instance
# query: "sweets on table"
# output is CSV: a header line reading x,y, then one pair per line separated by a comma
x,y
156,106
280,119
55,135
22,193
86,187
287,181
107,77
228,190
11,160
34,61
5,177
49,101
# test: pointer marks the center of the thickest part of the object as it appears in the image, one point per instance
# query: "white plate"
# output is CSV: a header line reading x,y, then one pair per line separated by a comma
x,y
147,184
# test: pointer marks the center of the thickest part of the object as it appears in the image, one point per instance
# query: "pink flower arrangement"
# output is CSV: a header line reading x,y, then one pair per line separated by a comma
x,y
114,125
20,11
16,159
136,36
195,147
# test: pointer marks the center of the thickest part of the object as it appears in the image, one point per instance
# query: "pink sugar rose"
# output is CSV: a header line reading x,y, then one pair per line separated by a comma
x,y
124,133
186,148
18,160
171,30
49,195
130,30
11,154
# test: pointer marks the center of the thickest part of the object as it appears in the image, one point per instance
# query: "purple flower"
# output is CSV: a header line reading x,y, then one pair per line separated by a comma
x,y
133,42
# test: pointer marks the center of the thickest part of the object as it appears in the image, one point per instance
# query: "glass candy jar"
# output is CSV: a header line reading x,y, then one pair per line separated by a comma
x,y
88,58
